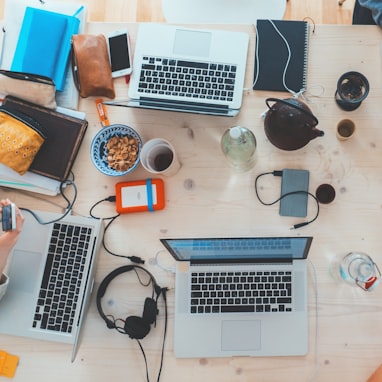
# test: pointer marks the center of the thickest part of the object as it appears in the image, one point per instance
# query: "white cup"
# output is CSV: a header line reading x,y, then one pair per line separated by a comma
x,y
159,157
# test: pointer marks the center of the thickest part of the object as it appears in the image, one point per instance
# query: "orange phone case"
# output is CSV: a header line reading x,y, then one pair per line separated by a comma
x,y
140,196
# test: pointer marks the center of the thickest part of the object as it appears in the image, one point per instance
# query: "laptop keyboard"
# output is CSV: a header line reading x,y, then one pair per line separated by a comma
x,y
196,80
227,292
63,275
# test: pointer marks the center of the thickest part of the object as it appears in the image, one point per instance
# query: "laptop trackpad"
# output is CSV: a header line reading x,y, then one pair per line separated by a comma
x,y
192,43
23,271
241,335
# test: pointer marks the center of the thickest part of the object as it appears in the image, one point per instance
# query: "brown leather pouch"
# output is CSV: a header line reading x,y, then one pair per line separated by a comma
x,y
91,66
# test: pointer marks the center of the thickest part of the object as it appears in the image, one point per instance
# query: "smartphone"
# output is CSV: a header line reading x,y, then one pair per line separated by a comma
x,y
119,53
8,217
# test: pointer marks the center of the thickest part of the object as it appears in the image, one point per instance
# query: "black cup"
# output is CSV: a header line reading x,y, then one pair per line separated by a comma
x,y
325,193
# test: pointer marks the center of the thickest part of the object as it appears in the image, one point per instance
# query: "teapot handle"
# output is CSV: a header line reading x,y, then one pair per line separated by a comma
x,y
308,113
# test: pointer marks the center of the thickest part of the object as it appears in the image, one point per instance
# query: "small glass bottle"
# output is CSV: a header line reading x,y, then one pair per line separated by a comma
x,y
239,146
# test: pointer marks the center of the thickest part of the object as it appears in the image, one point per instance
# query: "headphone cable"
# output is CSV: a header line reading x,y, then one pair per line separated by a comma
x,y
163,291
164,294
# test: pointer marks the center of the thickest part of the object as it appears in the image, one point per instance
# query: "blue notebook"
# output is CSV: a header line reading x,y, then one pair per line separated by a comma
x,y
44,44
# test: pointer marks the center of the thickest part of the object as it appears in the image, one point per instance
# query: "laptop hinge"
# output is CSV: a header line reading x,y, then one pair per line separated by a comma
x,y
183,106
241,261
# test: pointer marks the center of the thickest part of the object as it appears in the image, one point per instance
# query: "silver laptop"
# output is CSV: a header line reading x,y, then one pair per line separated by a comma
x,y
190,70
240,296
51,273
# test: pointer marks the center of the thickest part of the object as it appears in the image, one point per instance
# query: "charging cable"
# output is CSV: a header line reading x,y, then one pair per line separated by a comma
x,y
68,208
112,198
280,173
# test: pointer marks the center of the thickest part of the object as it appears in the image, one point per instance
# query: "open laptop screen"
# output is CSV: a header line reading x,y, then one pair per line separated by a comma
x,y
246,248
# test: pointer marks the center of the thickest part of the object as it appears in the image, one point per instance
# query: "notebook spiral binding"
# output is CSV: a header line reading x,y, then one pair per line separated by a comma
x,y
306,49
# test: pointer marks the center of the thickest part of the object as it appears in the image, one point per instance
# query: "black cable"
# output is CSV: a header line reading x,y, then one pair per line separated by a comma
x,y
163,291
158,290
134,259
164,294
69,207
279,173
144,357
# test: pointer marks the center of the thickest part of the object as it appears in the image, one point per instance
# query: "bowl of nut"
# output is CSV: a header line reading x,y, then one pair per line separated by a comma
x,y
115,150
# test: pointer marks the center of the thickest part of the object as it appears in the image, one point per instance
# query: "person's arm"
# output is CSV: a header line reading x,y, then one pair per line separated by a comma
x,y
7,242
375,7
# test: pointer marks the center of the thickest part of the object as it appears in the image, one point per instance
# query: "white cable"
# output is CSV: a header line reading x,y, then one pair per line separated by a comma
x,y
155,261
286,65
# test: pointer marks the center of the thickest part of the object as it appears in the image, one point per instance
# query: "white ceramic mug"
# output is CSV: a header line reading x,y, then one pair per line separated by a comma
x,y
159,157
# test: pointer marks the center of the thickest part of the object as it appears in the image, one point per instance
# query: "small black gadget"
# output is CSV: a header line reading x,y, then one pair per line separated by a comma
x,y
8,217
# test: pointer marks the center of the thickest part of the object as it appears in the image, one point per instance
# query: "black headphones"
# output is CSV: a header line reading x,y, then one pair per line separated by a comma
x,y
135,327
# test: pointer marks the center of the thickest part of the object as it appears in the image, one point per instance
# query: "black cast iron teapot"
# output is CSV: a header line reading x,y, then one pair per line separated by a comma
x,y
289,124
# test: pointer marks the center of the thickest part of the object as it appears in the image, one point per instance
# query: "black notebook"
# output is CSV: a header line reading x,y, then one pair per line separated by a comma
x,y
64,137
271,55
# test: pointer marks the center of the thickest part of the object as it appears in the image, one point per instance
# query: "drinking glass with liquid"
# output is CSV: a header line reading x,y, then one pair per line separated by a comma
x,y
239,147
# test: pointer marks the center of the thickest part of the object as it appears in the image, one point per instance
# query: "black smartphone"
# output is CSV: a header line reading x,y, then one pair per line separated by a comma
x,y
8,217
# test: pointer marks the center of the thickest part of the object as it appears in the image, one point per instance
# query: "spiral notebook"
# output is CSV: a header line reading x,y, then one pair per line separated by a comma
x,y
272,55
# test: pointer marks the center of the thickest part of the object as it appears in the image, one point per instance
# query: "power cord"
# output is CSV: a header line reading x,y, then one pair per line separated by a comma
x,y
70,203
280,173
112,198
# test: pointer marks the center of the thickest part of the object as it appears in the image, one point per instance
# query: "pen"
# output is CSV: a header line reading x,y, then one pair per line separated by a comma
x,y
78,10
2,44
121,102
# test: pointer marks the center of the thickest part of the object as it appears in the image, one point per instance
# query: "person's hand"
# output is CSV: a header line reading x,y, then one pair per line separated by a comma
x,y
19,217
8,239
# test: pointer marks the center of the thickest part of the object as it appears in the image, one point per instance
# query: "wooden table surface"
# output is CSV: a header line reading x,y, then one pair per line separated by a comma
x,y
206,198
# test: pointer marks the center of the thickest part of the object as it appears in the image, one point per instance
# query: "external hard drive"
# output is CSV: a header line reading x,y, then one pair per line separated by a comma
x,y
293,181
140,195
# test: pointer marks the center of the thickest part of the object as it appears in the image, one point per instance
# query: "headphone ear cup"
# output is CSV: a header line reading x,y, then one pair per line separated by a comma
x,y
150,311
136,327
